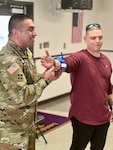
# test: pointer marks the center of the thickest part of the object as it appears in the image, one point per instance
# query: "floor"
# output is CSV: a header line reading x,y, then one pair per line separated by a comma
x,y
60,138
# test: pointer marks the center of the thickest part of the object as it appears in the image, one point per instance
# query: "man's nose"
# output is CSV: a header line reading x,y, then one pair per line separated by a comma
x,y
34,33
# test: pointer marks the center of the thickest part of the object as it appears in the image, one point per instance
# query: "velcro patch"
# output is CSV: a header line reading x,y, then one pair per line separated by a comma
x,y
14,67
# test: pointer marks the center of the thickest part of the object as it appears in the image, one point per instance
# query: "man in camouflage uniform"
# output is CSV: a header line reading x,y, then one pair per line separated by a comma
x,y
20,86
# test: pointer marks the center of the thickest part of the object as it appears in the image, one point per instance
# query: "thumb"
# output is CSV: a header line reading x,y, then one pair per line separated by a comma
x,y
52,69
47,53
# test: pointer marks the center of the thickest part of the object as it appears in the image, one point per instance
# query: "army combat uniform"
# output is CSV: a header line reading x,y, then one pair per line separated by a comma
x,y
20,87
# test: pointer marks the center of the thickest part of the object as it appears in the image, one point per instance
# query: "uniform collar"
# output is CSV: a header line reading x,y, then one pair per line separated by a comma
x,y
17,49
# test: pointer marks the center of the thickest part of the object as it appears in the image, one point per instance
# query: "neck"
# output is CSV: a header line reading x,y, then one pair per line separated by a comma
x,y
95,54
17,43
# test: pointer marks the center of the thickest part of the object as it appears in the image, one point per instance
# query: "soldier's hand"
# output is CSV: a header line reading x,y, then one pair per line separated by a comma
x,y
58,74
47,61
51,74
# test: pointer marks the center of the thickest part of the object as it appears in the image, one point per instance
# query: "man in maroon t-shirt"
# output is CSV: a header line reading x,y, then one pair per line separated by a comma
x,y
91,94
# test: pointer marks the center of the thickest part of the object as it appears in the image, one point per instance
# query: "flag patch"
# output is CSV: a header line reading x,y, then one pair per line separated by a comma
x,y
14,67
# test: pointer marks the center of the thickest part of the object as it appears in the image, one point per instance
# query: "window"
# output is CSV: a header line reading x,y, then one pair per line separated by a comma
x,y
3,30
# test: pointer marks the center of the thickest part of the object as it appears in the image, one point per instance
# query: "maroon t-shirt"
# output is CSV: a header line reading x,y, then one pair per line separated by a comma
x,y
90,80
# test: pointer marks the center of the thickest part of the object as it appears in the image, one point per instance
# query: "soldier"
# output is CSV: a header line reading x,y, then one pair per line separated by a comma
x,y
20,86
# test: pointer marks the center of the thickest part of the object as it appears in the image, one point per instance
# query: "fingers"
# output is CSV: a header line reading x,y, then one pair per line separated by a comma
x,y
51,74
58,74
47,53
42,61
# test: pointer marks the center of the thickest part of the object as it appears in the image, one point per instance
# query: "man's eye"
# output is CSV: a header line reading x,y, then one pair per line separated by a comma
x,y
31,29
100,37
93,38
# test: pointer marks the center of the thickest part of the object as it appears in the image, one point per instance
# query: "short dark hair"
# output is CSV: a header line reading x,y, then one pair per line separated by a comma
x,y
15,20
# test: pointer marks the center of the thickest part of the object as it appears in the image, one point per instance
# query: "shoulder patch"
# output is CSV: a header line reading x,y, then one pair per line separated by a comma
x,y
14,67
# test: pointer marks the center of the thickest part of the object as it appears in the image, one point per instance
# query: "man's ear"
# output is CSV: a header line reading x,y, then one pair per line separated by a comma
x,y
84,38
15,31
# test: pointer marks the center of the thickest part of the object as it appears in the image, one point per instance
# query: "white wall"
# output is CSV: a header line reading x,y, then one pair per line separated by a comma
x,y
106,19
55,28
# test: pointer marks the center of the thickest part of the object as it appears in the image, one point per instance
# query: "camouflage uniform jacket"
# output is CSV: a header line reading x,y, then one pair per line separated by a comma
x,y
20,86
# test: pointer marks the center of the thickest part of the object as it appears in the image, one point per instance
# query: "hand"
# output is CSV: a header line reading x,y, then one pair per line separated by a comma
x,y
58,74
51,74
47,61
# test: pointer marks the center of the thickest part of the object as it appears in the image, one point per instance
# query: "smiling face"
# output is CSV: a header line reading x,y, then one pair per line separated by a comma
x,y
22,31
94,40
26,33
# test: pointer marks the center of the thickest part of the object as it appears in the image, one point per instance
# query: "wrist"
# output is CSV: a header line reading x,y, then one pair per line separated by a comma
x,y
47,81
54,64
61,62
57,65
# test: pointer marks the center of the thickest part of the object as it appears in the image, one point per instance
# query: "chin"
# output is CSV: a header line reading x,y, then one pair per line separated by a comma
x,y
30,45
96,49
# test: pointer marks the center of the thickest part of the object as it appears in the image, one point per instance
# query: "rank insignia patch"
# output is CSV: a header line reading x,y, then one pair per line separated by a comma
x,y
14,67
